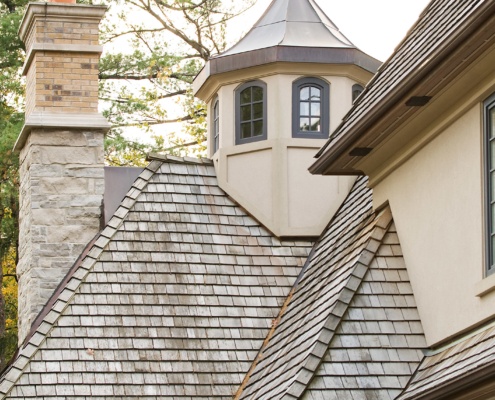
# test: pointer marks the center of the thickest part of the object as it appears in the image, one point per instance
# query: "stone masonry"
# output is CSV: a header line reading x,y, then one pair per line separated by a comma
x,y
61,148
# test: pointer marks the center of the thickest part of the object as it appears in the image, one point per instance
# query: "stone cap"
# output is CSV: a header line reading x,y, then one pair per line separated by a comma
x,y
66,121
59,9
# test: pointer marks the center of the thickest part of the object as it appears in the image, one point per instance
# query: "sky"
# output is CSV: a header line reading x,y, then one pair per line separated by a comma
x,y
374,26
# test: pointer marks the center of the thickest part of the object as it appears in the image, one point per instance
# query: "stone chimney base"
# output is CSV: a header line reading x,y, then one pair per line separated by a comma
x,y
62,185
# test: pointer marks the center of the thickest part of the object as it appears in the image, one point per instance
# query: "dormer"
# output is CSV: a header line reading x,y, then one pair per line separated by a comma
x,y
274,97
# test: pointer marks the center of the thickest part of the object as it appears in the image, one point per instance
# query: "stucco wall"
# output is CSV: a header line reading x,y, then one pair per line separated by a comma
x,y
270,178
437,204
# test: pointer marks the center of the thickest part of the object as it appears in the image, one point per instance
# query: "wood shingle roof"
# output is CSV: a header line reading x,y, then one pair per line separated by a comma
x,y
350,325
469,359
418,70
174,298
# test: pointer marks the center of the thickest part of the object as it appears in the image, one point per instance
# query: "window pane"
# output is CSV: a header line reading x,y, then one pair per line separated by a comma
x,y
491,252
304,109
257,128
492,217
246,96
315,93
304,95
257,93
492,154
492,186
258,111
304,124
215,110
246,130
315,109
492,122
245,113
315,124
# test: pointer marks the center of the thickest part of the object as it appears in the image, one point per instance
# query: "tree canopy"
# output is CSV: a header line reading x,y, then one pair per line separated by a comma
x,y
148,85
11,120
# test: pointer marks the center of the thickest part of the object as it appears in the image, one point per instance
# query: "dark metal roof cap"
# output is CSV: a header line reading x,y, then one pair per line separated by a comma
x,y
299,23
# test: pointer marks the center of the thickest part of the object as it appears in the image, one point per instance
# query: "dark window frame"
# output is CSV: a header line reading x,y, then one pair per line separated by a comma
x,y
215,124
488,126
238,138
324,86
357,89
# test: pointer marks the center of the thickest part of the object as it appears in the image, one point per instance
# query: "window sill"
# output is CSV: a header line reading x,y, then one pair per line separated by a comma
x,y
485,286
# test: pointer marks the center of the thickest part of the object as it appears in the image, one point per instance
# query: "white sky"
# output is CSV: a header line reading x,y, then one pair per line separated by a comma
x,y
374,26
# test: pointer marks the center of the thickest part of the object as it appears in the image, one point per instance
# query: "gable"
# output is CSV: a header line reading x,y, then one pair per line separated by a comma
x,y
351,301
174,298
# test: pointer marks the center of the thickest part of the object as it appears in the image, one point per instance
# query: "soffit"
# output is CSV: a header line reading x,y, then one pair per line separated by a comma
x,y
447,38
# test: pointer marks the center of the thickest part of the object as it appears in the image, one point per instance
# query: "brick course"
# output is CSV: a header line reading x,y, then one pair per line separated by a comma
x,y
61,168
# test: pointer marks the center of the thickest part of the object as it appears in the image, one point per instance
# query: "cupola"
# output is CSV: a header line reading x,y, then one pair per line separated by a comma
x,y
273,100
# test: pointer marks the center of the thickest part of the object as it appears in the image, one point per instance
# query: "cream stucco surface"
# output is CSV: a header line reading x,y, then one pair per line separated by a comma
x,y
436,200
301,192
252,170
270,178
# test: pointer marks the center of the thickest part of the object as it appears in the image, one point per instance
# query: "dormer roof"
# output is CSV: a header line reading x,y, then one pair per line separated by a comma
x,y
299,23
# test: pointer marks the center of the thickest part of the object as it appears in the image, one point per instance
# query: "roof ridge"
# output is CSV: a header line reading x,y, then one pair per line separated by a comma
x,y
168,158
383,221
76,275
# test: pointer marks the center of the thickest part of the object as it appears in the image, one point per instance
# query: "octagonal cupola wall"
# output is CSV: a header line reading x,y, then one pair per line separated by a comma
x,y
273,99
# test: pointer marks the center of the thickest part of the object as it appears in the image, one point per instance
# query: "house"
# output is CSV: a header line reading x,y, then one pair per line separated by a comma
x,y
211,279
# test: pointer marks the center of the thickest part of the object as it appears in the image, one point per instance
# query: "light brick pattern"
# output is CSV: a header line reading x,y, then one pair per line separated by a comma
x,y
58,79
62,185
61,167
63,82
173,300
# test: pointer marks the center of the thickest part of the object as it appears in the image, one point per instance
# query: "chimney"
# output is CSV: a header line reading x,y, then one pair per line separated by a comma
x,y
61,148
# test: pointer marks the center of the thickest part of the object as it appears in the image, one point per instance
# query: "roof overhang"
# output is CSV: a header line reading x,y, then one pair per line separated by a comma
x,y
343,155
287,54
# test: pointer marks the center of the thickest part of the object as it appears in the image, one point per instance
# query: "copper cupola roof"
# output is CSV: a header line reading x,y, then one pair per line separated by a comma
x,y
299,23
290,31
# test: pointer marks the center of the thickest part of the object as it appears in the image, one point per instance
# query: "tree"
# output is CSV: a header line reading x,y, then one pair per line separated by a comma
x,y
149,85
11,121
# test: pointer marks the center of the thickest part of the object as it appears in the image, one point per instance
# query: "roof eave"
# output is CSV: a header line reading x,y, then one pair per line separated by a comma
x,y
335,159
461,387
290,54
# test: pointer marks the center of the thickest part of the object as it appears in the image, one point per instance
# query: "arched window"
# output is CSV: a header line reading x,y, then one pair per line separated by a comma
x,y
310,108
250,100
357,89
215,131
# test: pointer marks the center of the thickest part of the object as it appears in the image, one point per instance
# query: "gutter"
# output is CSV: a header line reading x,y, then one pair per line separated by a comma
x,y
328,155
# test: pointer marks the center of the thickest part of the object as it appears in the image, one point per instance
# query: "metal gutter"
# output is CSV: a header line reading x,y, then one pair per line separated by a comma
x,y
327,155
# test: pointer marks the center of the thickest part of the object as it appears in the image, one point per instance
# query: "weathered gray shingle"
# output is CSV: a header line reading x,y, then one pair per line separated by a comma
x,y
378,343
349,329
174,298
467,357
